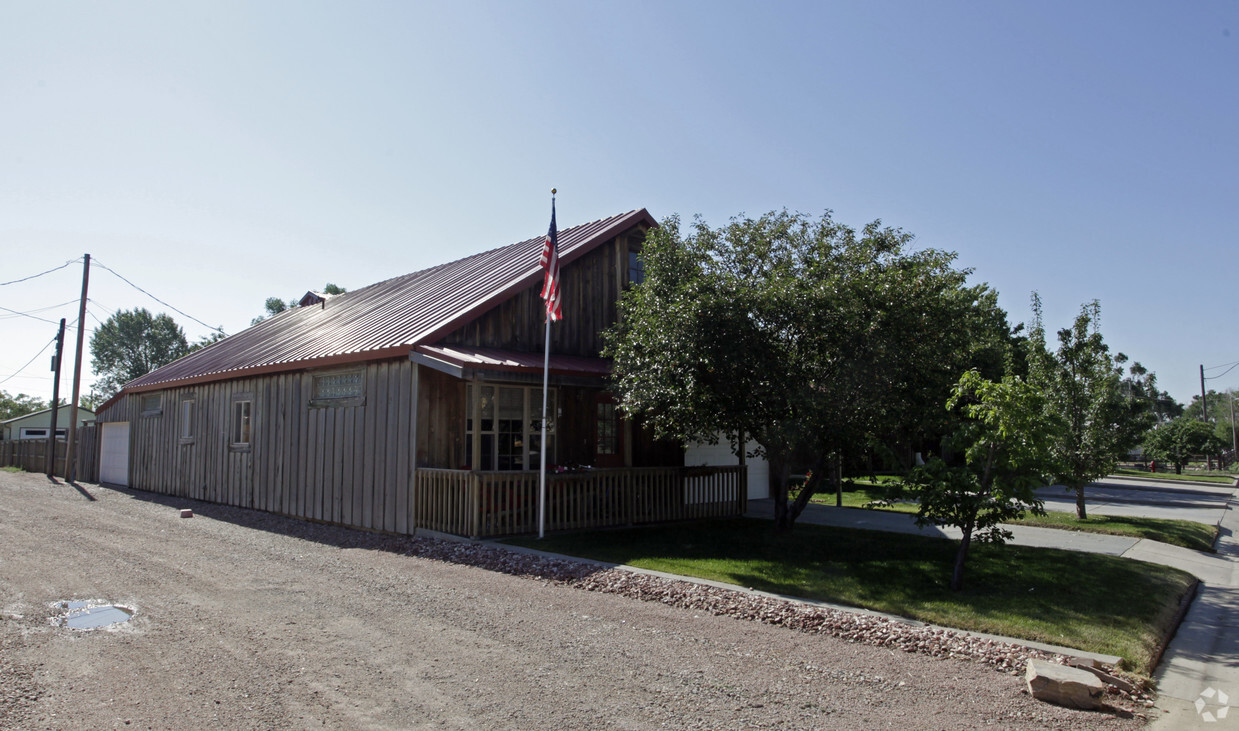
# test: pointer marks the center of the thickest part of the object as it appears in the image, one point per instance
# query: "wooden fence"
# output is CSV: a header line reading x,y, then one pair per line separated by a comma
x,y
488,504
31,454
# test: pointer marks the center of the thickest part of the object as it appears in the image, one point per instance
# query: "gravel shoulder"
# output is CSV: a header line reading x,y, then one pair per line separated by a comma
x,y
249,620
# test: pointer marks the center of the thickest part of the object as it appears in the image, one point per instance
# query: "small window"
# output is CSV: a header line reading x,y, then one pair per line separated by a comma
x,y
608,429
241,421
636,267
339,389
152,404
187,419
34,433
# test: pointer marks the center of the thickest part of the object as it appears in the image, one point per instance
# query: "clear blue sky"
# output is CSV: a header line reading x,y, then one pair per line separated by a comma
x,y
218,153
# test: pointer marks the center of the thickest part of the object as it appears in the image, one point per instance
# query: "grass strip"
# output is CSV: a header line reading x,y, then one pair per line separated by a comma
x,y
1185,533
1087,601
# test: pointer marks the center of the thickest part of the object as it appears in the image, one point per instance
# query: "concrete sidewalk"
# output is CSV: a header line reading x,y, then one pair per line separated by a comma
x,y
1202,661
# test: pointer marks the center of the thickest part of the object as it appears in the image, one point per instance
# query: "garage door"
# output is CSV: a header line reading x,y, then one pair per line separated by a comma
x,y
114,454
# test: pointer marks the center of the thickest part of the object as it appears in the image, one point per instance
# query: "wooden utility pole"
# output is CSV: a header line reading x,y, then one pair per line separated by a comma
x,y
70,445
51,438
1204,405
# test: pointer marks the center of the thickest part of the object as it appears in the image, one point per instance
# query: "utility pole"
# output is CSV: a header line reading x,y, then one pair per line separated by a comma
x,y
51,438
77,375
1204,405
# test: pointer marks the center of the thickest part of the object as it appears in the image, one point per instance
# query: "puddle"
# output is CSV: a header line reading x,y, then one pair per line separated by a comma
x,y
90,614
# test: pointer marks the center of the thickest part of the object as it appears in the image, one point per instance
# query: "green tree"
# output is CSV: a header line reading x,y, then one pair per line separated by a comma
x,y
1084,394
802,333
12,406
1005,439
1182,439
209,339
133,343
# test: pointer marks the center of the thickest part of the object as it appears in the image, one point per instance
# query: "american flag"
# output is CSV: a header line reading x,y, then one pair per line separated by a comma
x,y
550,262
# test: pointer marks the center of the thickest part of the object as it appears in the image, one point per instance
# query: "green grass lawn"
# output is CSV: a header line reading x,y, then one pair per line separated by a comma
x,y
1185,533
1218,477
11,469
1087,601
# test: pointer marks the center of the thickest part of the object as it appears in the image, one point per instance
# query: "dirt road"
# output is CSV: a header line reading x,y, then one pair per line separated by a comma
x,y
246,620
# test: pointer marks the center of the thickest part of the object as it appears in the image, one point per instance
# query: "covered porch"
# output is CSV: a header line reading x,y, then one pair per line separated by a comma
x,y
478,462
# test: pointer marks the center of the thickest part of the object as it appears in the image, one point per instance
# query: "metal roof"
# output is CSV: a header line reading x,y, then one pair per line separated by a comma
x,y
457,359
385,319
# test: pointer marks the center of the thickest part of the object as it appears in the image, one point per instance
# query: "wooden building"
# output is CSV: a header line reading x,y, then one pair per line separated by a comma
x,y
416,403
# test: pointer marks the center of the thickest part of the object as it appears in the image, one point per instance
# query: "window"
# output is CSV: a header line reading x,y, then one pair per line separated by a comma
x,y
636,267
151,405
187,419
509,427
241,422
339,389
608,429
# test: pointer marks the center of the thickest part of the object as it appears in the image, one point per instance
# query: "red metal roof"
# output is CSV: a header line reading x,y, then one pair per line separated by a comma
x,y
491,359
388,318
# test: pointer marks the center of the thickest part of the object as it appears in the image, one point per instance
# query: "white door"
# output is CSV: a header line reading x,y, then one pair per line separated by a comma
x,y
114,454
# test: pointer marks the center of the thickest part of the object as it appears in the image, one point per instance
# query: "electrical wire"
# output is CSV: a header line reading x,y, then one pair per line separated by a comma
x,y
27,314
1228,370
35,276
148,294
36,356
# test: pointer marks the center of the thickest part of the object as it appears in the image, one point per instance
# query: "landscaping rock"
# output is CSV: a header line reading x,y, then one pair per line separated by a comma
x,y
1064,686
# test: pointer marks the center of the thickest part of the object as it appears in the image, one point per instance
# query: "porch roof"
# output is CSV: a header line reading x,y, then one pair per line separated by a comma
x,y
461,361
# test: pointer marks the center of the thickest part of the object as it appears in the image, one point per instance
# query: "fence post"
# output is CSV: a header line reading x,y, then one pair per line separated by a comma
x,y
475,503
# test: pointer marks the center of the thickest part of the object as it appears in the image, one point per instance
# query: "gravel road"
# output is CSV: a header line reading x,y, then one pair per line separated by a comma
x,y
248,620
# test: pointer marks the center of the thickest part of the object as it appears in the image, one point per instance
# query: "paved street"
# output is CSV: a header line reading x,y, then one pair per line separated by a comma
x,y
1145,498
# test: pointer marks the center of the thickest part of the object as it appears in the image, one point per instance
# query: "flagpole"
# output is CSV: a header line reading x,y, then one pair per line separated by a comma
x,y
546,373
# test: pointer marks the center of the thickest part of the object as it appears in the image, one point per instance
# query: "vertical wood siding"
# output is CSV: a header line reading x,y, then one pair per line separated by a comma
x,y
341,464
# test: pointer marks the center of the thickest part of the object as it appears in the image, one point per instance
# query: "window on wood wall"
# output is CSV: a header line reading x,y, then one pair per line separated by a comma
x,y
242,420
188,404
510,427
608,429
152,405
339,389
636,267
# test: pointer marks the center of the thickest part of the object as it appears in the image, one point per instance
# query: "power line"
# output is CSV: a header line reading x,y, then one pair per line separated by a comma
x,y
1214,368
36,356
148,294
49,271
1228,370
27,314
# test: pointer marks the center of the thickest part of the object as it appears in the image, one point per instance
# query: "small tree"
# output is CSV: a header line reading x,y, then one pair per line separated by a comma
x,y
133,343
1182,439
1006,441
1084,395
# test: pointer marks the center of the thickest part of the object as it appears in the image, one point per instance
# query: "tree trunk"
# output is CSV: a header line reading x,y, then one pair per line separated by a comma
x,y
1081,511
778,488
1178,468
836,477
794,509
957,577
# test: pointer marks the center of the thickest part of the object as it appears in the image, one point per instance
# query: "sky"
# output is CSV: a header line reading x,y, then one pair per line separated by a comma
x,y
218,153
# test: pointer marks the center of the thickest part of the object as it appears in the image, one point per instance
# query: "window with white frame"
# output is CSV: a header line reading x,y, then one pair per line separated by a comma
x,y
242,421
509,427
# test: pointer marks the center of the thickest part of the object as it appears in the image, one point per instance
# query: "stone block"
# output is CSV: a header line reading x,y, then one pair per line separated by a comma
x,y
1064,686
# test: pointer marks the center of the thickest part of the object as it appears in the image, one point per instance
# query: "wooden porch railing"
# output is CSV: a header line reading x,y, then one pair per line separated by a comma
x,y
488,504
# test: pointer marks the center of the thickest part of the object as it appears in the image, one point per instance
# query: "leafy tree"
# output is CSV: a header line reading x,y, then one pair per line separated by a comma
x,y
1218,407
802,333
274,305
133,343
1140,385
1182,439
1084,394
1005,439
209,339
12,406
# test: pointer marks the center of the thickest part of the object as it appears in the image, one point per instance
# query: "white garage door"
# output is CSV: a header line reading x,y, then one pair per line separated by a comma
x,y
114,454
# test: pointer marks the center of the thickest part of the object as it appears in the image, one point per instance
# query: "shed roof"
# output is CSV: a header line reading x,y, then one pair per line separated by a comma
x,y
388,318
